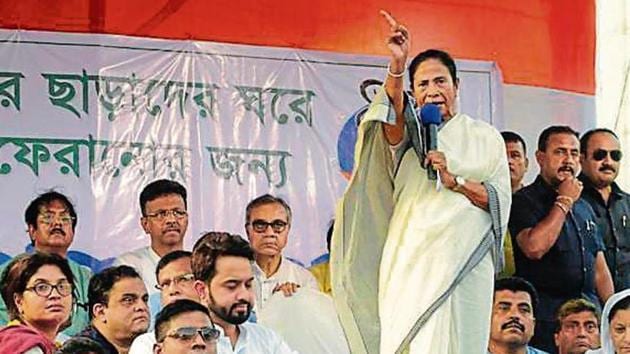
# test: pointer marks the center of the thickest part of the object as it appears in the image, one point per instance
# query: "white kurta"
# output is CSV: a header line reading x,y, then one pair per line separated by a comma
x,y
430,235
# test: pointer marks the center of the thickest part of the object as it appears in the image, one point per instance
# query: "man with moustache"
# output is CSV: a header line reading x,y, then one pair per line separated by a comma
x,y
578,327
600,155
512,324
518,162
51,221
118,309
175,281
165,219
222,264
558,247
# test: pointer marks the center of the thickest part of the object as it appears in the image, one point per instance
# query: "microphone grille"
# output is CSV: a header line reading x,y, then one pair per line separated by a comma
x,y
430,114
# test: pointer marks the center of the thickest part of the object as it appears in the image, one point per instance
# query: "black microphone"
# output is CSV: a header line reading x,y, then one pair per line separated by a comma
x,y
431,118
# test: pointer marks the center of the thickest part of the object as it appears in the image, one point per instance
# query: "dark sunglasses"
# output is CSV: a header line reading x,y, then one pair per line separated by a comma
x,y
208,334
262,225
601,154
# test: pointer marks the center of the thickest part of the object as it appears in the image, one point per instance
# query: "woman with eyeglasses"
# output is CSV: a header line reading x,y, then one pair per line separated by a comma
x,y
38,290
615,325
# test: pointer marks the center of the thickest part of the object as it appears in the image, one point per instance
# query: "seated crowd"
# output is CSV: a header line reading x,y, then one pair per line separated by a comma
x,y
567,253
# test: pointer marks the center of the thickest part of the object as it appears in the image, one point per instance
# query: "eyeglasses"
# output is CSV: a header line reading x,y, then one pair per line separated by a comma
x,y
186,334
163,214
180,279
64,288
601,154
49,218
261,225
589,327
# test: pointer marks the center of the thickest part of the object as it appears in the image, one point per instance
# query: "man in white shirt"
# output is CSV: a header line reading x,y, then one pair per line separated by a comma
x,y
165,220
222,264
176,282
268,222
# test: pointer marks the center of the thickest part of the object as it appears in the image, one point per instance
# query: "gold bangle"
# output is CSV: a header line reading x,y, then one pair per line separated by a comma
x,y
565,199
562,207
390,73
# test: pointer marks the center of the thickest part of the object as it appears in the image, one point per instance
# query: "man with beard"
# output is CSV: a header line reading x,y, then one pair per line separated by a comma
x,y
118,309
557,244
268,222
165,220
578,327
600,154
51,221
222,264
512,324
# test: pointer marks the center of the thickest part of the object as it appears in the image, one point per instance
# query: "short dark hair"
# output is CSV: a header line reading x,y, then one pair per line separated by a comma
x,y
19,271
587,136
174,309
543,139
213,245
44,199
515,284
572,307
168,258
102,283
437,54
264,200
160,188
80,345
623,304
512,137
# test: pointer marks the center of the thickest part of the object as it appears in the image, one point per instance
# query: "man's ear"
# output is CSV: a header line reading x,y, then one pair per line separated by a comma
x,y
144,222
202,291
31,233
526,164
157,348
540,157
99,312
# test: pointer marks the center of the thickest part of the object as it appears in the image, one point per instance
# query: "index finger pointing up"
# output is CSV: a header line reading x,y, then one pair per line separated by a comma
x,y
390,19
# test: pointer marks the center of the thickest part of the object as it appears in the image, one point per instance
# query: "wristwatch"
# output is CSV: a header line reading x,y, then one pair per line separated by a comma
x,y
459,183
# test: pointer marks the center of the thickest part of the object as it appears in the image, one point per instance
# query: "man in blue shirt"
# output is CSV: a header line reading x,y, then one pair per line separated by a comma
x,y
557,244
513,319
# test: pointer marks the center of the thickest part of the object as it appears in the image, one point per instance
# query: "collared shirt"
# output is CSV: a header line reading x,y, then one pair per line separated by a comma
x,y
287,272
93,334
144,260
567,270
613,218
80,317
253,338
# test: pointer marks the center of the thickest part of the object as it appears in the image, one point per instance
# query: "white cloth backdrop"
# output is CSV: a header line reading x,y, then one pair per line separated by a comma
x,y
97,117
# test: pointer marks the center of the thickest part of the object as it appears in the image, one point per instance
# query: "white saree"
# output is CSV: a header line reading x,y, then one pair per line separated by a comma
x,y
412,267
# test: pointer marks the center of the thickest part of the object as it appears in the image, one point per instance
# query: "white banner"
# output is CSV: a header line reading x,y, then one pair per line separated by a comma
x,y
97,117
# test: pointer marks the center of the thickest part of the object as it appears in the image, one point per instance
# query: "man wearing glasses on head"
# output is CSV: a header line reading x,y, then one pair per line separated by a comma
x,y
51,221
600,155
183,327
268,222
165,220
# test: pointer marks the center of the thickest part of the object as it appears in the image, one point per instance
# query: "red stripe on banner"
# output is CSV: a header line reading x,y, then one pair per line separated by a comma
x,y
538,43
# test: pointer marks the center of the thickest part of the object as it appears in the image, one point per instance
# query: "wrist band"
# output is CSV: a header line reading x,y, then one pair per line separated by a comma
x,y
390,73
562,207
